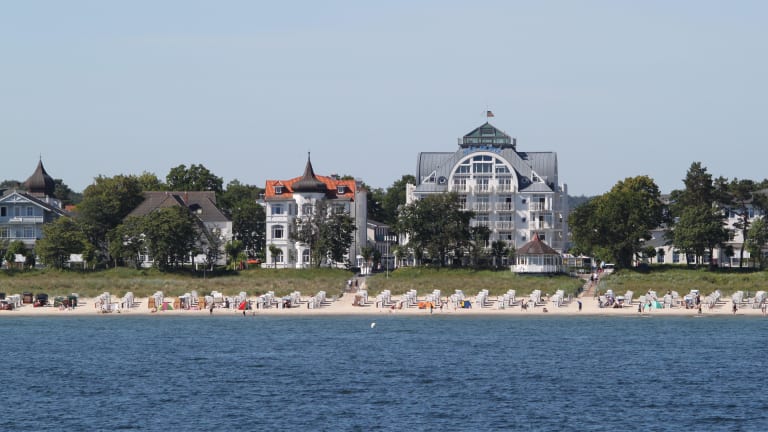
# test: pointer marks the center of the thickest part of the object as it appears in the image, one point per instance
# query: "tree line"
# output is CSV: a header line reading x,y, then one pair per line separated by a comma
x,y
615,226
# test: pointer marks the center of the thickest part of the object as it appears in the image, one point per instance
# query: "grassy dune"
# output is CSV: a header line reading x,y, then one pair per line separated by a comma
x,y
145,282
663,279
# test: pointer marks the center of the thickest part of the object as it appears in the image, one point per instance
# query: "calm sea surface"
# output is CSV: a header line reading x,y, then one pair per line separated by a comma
x,y
435,372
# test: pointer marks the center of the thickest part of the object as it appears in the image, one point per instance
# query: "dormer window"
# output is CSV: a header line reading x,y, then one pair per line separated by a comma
x,y
341,189
278,189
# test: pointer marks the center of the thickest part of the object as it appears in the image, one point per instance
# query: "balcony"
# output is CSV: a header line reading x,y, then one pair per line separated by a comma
x,y
26,220
482,189
478,223
538,225
481,207
539,207
504,207
505,225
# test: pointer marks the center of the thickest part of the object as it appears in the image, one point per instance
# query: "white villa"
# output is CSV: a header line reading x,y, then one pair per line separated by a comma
x,y
285,201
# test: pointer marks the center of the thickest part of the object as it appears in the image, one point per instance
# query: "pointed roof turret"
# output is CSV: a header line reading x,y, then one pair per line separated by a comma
x,y
40,183
309,182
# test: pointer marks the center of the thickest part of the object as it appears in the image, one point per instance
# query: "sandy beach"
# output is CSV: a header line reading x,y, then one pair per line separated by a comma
x,y
345,305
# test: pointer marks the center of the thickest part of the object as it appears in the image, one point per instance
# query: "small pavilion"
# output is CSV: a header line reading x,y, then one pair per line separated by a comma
x,y
538,257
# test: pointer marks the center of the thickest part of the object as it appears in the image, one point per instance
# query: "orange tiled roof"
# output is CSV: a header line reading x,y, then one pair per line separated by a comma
x,y
331,184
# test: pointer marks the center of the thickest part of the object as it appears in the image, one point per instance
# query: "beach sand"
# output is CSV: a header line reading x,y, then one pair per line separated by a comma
x,y
344,306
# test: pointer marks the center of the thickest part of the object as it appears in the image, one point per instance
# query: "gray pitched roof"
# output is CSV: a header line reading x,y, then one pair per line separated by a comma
x,y
200,203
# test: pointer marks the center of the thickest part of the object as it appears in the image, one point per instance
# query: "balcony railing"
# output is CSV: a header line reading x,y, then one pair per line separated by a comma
x,y
505,207
539,207
481,207
26,219
483,189
537,225
505,225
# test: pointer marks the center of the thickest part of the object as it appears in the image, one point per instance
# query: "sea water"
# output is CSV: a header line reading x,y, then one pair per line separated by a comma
x,y
437,372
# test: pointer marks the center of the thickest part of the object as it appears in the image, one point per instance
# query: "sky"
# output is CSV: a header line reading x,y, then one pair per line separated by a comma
x,y
247,88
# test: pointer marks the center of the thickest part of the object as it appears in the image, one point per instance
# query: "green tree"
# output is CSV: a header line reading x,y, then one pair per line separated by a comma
x,y
475,246
64,194
194,178
233,249
150,182
697,223
16,247
436,225
171,236
699,229
499,250
127,241
106,202
237,193
238,201
328,234
757,240
61,238
613,226
739,199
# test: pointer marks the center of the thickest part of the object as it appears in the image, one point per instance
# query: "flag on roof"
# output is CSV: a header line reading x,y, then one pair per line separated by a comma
x,y
489,113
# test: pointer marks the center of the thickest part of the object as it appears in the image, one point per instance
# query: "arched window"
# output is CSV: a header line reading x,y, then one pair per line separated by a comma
x,y
305,256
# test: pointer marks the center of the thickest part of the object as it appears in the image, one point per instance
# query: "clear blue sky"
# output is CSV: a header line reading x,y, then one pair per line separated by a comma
x,y
247,88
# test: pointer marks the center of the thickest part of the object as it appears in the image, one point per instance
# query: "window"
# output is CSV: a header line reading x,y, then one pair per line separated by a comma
x,y
306,209
277,209
341,189
5,232
278,190
278,256
3,211
278,231
29,232
305,256
30,211
676,257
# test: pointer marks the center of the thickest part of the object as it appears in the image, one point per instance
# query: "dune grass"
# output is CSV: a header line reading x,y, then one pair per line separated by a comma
x,y
665,278
426,280
144,283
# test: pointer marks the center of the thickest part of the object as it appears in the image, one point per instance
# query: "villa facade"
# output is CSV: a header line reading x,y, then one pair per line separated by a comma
x,y
286,201
23,213
516,194
202,206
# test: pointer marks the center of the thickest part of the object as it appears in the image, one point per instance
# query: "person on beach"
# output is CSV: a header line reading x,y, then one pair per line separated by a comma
x,y
211,309
579,302
734,308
